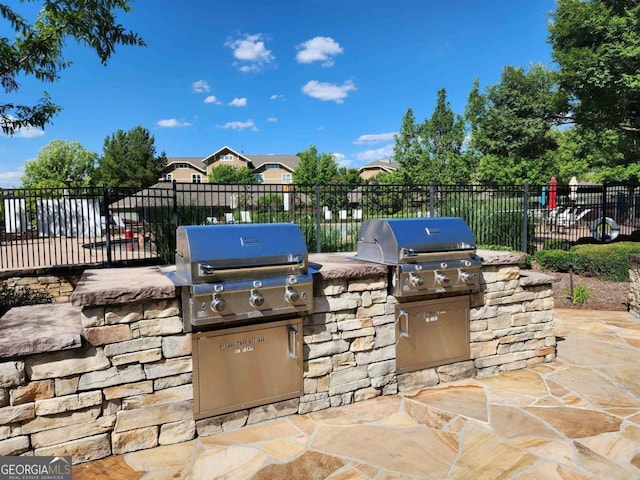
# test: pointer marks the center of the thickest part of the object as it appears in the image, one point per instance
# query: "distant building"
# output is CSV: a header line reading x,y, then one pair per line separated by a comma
x,y
270,169
372,169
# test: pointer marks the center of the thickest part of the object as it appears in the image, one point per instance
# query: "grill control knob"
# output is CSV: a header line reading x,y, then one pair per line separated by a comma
x,y
466,277
442,279
416,280
291,295
256,299
218,303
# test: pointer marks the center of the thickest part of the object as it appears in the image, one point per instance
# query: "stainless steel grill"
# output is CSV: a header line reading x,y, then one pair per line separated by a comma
x,y
239,272
245,289
429,256
434,261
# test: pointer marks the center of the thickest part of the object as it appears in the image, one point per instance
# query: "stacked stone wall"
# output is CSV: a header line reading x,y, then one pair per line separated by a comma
x,y
58,287
129,387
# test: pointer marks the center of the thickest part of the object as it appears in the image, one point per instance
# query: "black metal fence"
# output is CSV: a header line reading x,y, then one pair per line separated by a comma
x,y
107,226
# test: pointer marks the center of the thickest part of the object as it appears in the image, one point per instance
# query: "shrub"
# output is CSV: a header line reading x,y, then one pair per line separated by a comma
x,y
556,244
606,262
555,260
16,297
580,294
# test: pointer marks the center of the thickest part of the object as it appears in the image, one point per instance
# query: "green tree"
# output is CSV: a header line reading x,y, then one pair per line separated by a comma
x,y
512,126
129,159
59,162
596,44
37,50
443,135
232,175
348,176
407,149
315,168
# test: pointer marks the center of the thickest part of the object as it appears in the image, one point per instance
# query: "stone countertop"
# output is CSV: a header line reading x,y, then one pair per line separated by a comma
x,y
40,328
113,286
500,257
339,266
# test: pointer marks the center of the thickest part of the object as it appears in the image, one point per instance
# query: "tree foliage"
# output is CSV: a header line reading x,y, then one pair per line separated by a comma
x,y
59,163
129,159
596,44
512,126
431,151
37,50
232,175
315,167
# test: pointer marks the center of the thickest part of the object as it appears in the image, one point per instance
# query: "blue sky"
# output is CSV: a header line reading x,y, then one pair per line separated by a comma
x,y
275,77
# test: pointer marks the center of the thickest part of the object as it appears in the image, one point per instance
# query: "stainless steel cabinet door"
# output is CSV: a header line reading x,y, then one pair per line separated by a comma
x,y
244,367
432,333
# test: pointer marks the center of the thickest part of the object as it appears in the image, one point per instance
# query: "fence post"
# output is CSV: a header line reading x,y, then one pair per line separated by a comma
x,y
318,231
105,193
603,213
175,204
432,194
525,217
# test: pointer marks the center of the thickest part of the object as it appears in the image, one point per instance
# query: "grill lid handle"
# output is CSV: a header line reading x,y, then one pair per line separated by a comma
x,y
206,269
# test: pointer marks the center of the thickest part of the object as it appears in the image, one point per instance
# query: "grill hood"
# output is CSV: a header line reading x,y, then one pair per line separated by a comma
x,y
398,240
213,252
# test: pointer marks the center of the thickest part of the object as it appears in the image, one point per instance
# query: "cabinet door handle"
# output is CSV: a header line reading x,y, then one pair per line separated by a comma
x,y
292,341
403,314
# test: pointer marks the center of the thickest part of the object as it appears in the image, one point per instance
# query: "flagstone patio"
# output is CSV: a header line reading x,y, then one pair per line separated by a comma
x,y
575,418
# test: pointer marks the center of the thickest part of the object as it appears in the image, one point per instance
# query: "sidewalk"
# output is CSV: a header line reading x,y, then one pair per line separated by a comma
x,y
577,418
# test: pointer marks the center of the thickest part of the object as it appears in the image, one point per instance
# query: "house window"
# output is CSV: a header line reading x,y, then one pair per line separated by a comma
x,y
286,178
181,165
226,158
167,177
272,165
259,177
196,178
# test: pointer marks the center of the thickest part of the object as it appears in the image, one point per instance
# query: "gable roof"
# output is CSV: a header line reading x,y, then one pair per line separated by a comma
x,y
211,157
195,162
386,165
288,162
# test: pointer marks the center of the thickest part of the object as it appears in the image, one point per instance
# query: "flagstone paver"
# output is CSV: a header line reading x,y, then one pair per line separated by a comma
x,y
577,418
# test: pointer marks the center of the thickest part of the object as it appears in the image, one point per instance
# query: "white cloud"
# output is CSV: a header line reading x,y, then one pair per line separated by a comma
x,y
10,179
378,154
200,86
251,50
276,97
172,123
318,49
29,132
328,91
341,159
238,102
272,119
212,99
374,138
239,126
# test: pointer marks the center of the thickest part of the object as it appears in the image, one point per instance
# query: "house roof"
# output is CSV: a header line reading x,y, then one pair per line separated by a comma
x,y
386,165
211,157
195,162
288,162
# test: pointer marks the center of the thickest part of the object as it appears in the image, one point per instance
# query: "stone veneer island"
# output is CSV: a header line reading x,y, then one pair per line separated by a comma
x,y
111,372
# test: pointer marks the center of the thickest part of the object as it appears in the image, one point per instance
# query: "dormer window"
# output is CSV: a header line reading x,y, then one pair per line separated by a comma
x,y
227,157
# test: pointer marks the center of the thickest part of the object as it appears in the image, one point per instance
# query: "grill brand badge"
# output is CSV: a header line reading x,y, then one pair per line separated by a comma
x,y
35,468
250,241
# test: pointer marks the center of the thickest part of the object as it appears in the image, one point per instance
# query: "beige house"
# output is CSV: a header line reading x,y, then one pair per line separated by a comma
x,y
372,169
270,169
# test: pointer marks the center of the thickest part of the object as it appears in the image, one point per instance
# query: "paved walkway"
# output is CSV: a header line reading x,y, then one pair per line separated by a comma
x,y
577,418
